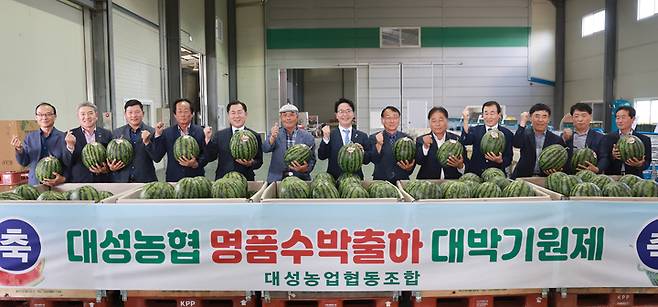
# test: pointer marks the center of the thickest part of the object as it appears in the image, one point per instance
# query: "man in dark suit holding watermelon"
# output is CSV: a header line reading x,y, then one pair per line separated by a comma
x,y
381,149
345,133
491,113
164,143
77,138
139,134
624,118
533,141
428,144
218,147
584,137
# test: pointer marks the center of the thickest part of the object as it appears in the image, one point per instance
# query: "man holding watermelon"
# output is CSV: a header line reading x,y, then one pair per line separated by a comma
x,y
141,168
640,161
584,137
427,146
218,146
533,141
76,139
491,113
345,133
186,164
47,141
381,150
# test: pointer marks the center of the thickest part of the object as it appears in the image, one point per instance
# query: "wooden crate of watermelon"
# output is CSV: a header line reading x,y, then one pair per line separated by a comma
x,y
348,188
70,193
586,185
232,188
489,187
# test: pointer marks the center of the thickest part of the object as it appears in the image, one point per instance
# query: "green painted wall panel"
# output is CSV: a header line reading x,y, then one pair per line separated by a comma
x,y
475,37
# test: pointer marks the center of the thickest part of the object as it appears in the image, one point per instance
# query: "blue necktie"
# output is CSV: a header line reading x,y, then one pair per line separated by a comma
x,y
346,136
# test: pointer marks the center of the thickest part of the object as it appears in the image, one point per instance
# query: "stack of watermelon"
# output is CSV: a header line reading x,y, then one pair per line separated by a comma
x,y
231,185
585,183
347,186
28,192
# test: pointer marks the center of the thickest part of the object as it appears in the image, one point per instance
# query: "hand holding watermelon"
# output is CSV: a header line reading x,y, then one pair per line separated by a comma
x,y
456,161
551,171
490,156
191,162
115,165
635,162
300,168
244,162
586,165
59,179
407,165
99,168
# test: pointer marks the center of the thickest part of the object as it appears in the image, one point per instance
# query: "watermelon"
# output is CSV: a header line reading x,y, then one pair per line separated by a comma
x,y
458,189
518,188
586,189
299,153
189,187
243,145
120,150
10,196
66,194
553,157
228,188
404,149
350,181
104,194
186,147
586,175
488,190
93,154
630,147
239,177
423,190
492,172
630,180
501,182
645,188
350,158
86,192
324,176
470,177
346,176
493,142
554,181
450,148
567,183
293,187
382,189
27,192
205,185
157,190
354,191
581,156
617,189
46,167
443,187
51,195
472,187
324,189
601,180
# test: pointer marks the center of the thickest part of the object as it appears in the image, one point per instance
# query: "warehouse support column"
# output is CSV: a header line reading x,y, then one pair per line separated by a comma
x,y
232,51
211,63
172,44
560,53
101,39
610,61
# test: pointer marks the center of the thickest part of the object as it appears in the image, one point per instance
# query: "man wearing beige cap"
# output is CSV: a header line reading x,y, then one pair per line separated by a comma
x,y
282,138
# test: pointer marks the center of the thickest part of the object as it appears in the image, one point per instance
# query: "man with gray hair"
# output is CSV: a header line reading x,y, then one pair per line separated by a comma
x,y
77,138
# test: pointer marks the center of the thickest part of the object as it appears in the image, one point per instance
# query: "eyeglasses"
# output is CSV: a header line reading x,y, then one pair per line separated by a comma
x,y
344,111
45,114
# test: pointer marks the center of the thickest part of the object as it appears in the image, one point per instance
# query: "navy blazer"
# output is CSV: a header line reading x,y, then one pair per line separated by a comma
x,y
219,149
164,144
330,151
615,165
142,165
596,142
524,139
32,152
430,166
278,149
386,168
79,172
478,163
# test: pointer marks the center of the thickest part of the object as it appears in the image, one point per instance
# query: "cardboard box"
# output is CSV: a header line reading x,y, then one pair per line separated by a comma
x,y
541,195
132,197
274,189
118,189
8,129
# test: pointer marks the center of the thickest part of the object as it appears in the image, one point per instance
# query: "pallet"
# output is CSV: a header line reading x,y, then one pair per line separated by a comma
x,y
604,297
15,297
330,299
188,299
482,298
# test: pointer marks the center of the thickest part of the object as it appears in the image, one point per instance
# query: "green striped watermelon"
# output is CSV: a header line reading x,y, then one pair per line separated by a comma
x,y
567,183
629,147
324,176
630,180
586,175
586,189
553,157
451,148
324,189
443,187
299,153
350,158
293,187
85,193
93,154
404,149
382,189
186,147
601,180
10,196
104,194
46,167
420,189
51,195
554,181
492,172
228,188
617,189
243,145
581,156
493,142
645,188
501,182
189,187
157,190
120,150
488,190
27,192
239,177
205,185
472,187
518,188
458,189
354,191
470,177
346,182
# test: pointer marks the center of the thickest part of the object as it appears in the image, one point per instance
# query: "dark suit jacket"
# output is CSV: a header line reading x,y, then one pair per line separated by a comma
x,y
164,144
386,168
219,149
478,163
32,152
430,166
615,165
596,142
79,172
330,151
142,165
524,139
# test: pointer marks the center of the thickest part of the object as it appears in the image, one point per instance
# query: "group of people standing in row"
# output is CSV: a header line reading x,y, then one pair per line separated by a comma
x,y
150,144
